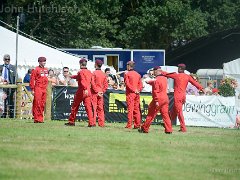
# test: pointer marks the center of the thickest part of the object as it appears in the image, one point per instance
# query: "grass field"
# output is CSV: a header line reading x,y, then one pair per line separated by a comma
x,y
53,151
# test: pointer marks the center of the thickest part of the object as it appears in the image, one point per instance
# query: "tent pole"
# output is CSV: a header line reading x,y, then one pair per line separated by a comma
x,y
16,76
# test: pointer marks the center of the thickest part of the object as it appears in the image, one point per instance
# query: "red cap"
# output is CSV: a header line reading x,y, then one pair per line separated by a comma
x,y
182,65
82,60
98,61
157,67
42,59
215,90
130,62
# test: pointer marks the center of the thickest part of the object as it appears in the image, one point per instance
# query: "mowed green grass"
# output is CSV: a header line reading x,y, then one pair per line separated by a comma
x,y
54,151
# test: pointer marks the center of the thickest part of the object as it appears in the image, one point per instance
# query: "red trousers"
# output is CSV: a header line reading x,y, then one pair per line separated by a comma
x,y
177,112
98,106
152,112
78,98
39,101
133,105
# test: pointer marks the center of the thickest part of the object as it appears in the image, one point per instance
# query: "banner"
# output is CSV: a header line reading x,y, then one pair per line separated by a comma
x,y
209,111
115,106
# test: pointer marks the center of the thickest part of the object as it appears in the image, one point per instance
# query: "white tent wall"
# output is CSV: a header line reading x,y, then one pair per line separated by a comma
x,y
232,70
29,51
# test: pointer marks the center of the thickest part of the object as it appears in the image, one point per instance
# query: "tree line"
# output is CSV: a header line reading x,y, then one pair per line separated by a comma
x,y
145,24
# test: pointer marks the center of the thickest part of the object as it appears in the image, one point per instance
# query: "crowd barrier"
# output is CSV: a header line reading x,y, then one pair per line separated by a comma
x,y
209,111
115,106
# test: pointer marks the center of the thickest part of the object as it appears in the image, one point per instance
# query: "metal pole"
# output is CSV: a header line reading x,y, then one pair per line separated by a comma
x,y
16,76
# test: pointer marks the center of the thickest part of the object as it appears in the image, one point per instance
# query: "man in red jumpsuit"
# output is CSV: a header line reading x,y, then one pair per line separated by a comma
x,y
38,85
99,87
133,87
180,84
159,102
83,93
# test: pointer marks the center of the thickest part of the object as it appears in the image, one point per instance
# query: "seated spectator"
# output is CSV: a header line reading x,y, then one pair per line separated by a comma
x,y
65,79
208,89
191,89
52,77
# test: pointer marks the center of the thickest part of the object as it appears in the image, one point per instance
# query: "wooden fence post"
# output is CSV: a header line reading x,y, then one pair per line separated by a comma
x,y
48,107
19,101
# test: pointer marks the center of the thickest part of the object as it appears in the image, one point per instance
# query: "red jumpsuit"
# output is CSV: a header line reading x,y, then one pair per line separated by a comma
x,y
99,84
180,84
38,84
159,94
133,83
83,77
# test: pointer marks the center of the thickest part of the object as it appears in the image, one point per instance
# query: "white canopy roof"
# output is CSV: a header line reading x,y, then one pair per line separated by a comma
x,y
29,51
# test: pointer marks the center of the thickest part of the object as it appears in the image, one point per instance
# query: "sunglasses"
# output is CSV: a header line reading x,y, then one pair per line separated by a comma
x,y
7,59
65,71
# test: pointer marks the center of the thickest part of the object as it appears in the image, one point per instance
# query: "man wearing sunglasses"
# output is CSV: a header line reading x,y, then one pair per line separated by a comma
x,y
8,73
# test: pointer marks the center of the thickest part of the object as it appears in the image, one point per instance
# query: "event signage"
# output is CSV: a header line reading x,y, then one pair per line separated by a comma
x,y
209,111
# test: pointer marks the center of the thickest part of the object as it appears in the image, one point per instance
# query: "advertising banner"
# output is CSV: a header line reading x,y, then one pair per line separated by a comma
x,y
115,106
209,111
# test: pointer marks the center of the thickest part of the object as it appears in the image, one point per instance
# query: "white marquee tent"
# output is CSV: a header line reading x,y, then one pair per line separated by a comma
x,y
232,70
29,51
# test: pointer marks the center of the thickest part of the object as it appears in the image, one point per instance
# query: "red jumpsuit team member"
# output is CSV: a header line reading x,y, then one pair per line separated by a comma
x,y
99,87
133,87
180,83
159,102
83,93
38,85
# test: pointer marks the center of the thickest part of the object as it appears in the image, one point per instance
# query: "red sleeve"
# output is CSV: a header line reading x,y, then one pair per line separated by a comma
x,y
169,75
128,84
195,83
32,79
156,90
151,82
74,76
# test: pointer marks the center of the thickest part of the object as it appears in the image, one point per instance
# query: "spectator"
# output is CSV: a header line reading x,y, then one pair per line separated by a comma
x,y
122,86
3,96
65,79
208,89
52,77
26,79
215,92
150,74
146,87
8,73
110,78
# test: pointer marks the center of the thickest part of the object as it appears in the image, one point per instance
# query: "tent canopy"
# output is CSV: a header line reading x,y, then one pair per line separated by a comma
x,y
29,51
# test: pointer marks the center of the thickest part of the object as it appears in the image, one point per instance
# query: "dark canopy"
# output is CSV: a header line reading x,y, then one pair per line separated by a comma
x,y
209,52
